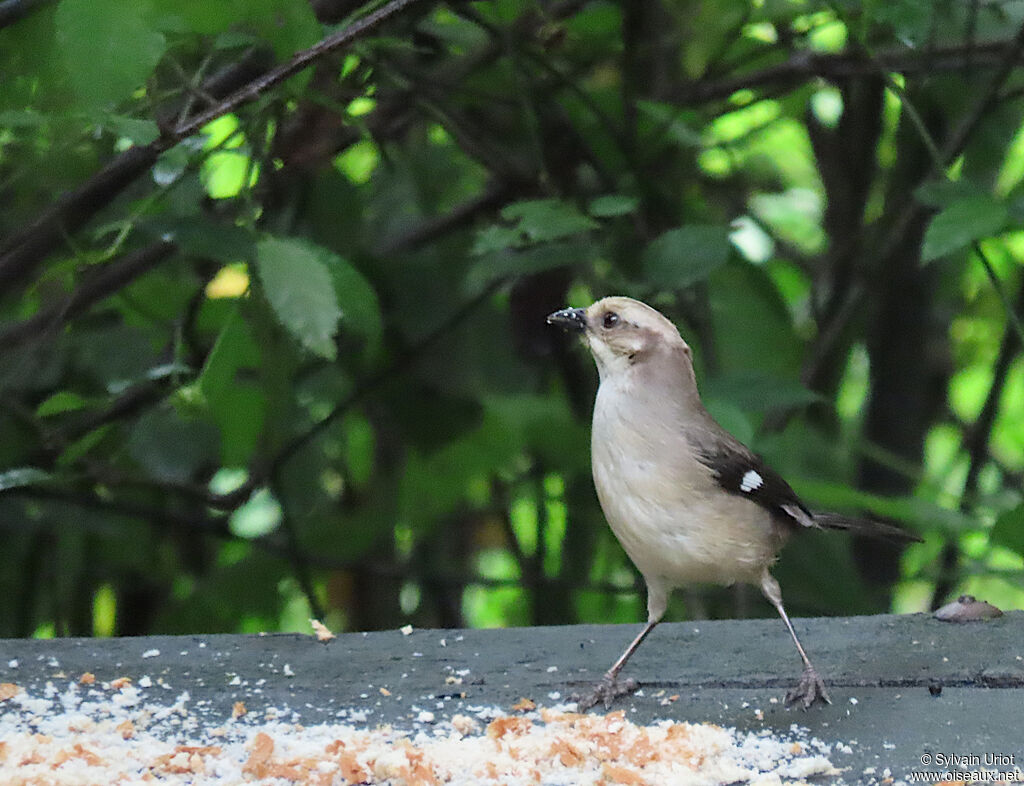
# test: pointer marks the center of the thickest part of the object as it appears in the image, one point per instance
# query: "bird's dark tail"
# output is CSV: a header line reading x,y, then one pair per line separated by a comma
x,y
868,527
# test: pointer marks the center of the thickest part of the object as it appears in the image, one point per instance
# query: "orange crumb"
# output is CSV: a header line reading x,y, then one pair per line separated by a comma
x,y
120,683
259,757
127,729
88,678
622,775
385,692
322,632
567,753
238,710
77,751
8,690
348,766
524,705
499,727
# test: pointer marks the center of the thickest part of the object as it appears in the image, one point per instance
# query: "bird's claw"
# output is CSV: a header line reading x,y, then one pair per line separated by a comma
x,y
605,692
810,690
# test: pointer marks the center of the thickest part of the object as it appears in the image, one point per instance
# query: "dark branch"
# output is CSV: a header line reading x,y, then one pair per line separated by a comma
x,y
433,228
22,253
12,11
804,65
976,443
101,284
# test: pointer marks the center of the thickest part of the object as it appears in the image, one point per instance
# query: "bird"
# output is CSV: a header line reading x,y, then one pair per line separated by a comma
x,y
687,500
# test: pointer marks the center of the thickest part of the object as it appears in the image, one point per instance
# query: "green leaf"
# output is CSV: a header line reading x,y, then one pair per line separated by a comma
x,y
108,48
612,205
224,174
170,447
1008,530
237,406
754,392
542,220
533,259
299,286
360,309
61,402
18,118
961,224
495,238
22,476
684,256
140,132
81,447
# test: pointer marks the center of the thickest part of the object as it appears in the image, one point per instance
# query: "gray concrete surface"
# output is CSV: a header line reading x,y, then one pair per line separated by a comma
x,y
878,669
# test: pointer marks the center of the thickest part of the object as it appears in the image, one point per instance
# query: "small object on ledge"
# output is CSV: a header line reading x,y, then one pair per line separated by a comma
x,y
967,608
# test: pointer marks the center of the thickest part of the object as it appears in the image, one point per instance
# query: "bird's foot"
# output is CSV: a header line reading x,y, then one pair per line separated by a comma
x,y
810,690
605,692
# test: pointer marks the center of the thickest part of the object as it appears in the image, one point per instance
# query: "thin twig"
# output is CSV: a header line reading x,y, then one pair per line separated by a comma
x,y
297,63
1013,319
22,253
976,445
104,282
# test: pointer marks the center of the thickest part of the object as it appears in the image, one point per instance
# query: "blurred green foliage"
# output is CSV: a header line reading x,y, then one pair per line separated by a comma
x,y
296,365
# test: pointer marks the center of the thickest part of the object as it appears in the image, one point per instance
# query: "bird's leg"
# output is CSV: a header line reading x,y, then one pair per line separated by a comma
x,y
609,688
811,687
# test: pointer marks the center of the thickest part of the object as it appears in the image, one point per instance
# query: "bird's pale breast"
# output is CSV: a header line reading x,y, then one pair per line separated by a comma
x,y
663,505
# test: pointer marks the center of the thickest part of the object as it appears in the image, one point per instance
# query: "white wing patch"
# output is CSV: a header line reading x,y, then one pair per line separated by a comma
x,y
751,482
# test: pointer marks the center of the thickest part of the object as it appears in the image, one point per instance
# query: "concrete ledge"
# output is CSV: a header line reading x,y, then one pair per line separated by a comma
x,y
883,673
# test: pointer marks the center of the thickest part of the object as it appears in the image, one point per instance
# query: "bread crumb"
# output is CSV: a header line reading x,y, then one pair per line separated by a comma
x,y
321,631
8,690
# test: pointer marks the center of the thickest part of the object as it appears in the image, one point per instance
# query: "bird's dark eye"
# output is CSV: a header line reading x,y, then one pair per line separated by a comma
x,y
611,319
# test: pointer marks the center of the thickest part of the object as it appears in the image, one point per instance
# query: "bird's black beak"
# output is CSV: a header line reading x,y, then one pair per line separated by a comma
x,y
574,319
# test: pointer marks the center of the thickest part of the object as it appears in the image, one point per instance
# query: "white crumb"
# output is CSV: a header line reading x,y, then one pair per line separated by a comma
x,y
67,734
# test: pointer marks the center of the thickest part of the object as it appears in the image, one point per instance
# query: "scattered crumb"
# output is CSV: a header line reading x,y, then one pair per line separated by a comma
x,y
524,705
87,679
288,670
406,630
385,692
8,690
68,735
321,631
150,653
120,683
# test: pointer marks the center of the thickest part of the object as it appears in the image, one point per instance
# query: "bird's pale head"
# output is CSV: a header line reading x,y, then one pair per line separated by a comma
x,y
621,332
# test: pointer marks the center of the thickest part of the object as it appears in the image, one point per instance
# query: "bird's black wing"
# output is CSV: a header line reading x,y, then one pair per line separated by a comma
x,y
742,472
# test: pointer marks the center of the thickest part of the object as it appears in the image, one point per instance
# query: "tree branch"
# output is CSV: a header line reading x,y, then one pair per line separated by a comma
x,y
976,443
101,284
803,65
21,254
